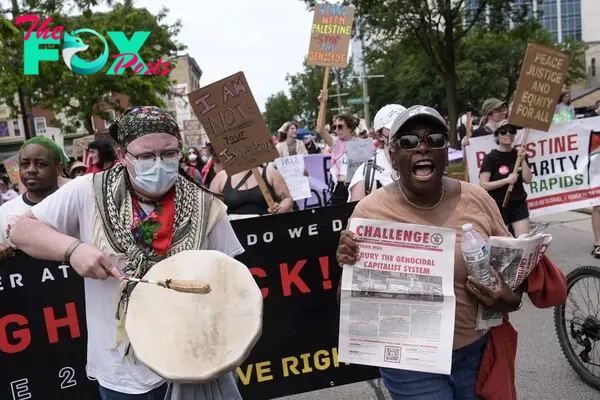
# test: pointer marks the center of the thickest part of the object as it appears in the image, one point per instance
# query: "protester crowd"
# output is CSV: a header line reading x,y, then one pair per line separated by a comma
x,y
74,211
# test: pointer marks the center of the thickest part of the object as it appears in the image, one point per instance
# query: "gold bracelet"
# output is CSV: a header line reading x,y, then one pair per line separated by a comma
x,y
71,249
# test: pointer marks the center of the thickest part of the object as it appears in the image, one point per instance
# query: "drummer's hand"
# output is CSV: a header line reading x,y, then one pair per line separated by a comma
x,y
90,262
347,252
6,252
500,298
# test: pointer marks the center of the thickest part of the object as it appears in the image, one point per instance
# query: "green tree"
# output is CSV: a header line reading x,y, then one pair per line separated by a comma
x,y
438,26
577,70
306,85
488,64
410,77
56,87
278,110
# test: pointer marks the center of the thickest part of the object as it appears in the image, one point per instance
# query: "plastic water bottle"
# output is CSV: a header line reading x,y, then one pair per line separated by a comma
x,y
476,254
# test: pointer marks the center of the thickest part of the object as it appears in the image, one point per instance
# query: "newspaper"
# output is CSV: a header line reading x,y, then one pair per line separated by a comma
x,y
397,301
514,259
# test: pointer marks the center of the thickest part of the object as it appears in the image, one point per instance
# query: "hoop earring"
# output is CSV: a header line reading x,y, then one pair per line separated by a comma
x,y
395,175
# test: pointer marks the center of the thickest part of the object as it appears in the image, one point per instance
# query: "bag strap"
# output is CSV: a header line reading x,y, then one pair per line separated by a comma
x,y
244,179
369,175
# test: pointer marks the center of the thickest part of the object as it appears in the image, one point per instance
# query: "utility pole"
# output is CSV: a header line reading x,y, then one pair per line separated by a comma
x,y
364,82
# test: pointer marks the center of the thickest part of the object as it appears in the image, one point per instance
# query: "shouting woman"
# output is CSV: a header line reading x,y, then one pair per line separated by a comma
x,y
421,194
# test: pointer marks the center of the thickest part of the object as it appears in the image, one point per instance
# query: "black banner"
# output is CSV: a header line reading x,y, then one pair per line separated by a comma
x,y
42,332
292,257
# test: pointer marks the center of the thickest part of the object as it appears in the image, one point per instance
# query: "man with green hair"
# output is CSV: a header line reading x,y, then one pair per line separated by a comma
x,y
40,164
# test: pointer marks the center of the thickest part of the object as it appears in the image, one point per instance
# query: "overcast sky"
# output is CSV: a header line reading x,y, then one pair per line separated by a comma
x,y
264,38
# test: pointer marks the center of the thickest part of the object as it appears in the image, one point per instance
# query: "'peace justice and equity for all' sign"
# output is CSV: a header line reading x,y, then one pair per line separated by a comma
x,y
540,84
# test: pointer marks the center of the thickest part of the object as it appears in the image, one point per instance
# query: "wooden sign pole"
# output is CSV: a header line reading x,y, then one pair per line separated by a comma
x,y
263,187
468,136
323,104
516,169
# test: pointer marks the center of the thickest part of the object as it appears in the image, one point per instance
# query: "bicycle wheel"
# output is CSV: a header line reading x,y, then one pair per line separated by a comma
x,y
577,323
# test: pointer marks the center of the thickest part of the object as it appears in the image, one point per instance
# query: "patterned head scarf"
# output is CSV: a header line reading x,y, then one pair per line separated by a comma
x,y
143,120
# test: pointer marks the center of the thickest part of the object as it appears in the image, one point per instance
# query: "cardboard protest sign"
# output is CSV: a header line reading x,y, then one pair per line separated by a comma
x,y
193,134
11,164
233,123
80,145
540,83
191,139
330,35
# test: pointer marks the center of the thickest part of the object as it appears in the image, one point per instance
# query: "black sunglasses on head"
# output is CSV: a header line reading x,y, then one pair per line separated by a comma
x,y
434,140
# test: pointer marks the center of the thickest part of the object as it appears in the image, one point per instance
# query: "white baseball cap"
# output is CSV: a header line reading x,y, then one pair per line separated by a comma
x,y
423,112
386,116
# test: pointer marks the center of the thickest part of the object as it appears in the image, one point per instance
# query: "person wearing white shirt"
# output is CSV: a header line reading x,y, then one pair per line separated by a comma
x,y
98,223
377,172
40,165
7,193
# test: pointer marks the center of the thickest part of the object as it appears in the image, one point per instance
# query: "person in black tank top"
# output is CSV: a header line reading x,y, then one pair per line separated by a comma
x,y
496,174
245,197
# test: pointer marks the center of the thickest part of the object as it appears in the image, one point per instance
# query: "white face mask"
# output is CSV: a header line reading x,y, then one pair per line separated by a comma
x,y
204,159
156,177
192,157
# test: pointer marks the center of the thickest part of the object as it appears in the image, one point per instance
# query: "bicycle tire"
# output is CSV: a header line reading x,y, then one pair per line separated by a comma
x,y
562,332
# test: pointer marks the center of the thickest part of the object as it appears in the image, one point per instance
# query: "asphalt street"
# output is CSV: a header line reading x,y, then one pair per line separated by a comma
x,y
542,370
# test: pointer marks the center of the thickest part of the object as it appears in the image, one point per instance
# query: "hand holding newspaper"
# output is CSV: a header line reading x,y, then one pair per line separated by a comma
x,y
397,301
514,259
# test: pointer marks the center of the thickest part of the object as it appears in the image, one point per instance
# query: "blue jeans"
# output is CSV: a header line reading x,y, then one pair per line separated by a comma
x,y
459,385
156,394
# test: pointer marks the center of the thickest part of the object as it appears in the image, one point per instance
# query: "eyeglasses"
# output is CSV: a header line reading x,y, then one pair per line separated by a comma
x,y
339,127
433,140
165,155
504,132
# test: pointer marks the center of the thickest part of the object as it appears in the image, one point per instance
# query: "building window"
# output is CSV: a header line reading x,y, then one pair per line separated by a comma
x,y
4,129
112,117
40,125
16,128
593,67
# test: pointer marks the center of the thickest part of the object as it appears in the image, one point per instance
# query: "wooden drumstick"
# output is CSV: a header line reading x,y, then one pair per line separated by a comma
x,y
178,285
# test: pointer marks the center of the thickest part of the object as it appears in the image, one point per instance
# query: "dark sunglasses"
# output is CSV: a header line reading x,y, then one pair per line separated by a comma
x,y
339,126
433,140
503,132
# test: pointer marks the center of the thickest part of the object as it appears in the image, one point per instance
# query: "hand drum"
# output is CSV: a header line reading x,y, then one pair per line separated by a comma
x,y
195,338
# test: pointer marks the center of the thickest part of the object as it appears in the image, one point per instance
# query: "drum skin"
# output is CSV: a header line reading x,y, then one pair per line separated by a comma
x,y
195,338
